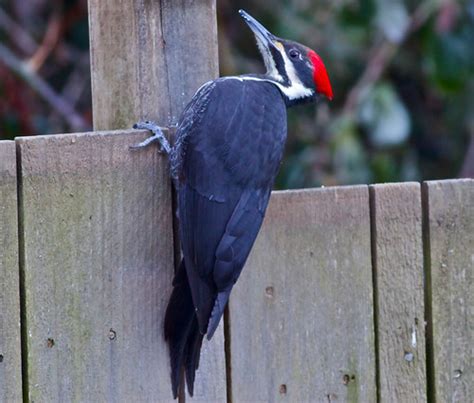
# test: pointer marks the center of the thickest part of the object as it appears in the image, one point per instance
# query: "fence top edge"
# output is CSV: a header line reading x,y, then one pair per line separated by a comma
x,y
409,184
448,182
280,193
69,136
412,185
362,189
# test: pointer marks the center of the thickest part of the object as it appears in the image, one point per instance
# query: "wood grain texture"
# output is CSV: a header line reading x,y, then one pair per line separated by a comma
x,y
149,57
301,315
449,210
398,272
98,263
10,345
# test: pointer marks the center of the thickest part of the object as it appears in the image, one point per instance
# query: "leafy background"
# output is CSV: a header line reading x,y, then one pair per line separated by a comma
x,y
402,73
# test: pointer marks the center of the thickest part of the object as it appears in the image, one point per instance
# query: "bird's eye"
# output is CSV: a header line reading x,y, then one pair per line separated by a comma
x,y
294,53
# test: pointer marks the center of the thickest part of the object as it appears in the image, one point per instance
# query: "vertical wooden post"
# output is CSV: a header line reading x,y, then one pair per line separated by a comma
x,y
449,259
148,58
10,349
397,257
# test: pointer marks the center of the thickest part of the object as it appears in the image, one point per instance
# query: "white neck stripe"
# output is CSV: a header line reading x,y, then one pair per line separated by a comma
x,y
294,91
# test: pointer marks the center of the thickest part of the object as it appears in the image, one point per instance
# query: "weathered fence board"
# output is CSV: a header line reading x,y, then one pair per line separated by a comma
x,y
98,261
397,256
449,232
301,315
149,57
10,347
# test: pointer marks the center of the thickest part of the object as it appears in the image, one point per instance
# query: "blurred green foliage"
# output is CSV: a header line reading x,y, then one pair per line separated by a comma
x,y
402,72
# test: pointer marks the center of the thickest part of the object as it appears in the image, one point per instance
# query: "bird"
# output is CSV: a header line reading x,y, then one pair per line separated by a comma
x,y
228,148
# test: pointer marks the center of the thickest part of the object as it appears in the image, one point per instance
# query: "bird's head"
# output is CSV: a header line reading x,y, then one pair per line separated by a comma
x,y
298,71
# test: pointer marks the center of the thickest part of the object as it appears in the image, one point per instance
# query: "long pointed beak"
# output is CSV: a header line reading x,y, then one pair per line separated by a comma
x,y
265,37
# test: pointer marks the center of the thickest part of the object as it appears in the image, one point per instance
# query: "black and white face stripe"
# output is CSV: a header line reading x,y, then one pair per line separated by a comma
x,y
280,66
281,70
273,60
296,69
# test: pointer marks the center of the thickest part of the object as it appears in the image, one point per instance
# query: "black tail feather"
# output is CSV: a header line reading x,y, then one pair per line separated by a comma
x,y
182,333
193,352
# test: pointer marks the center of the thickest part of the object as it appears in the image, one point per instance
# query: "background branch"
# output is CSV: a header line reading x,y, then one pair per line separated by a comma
x,y
382,54
75,121
48,43
23,40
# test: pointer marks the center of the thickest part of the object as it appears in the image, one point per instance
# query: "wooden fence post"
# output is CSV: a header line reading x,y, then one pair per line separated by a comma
x,y
449,265
10,347
147,60
397,257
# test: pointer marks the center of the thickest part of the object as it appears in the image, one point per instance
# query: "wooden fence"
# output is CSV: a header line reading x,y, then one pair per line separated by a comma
x,y
332,305
356,294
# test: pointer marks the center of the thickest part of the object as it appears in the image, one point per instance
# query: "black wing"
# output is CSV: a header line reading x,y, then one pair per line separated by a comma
x,y
227,159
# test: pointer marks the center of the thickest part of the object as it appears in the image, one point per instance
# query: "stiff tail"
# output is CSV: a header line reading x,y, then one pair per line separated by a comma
x,y
182,333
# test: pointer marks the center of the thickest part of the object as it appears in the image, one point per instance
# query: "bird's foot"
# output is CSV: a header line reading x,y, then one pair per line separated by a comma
x,y
157,136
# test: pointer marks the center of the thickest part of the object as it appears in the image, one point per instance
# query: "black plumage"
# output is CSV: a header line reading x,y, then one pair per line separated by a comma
x,y
225,161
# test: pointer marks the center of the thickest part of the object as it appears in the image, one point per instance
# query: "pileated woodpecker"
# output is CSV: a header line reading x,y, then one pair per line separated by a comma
x,y
229,145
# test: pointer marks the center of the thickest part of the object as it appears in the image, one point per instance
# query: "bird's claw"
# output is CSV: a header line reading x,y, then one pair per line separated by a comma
x,y
157,136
